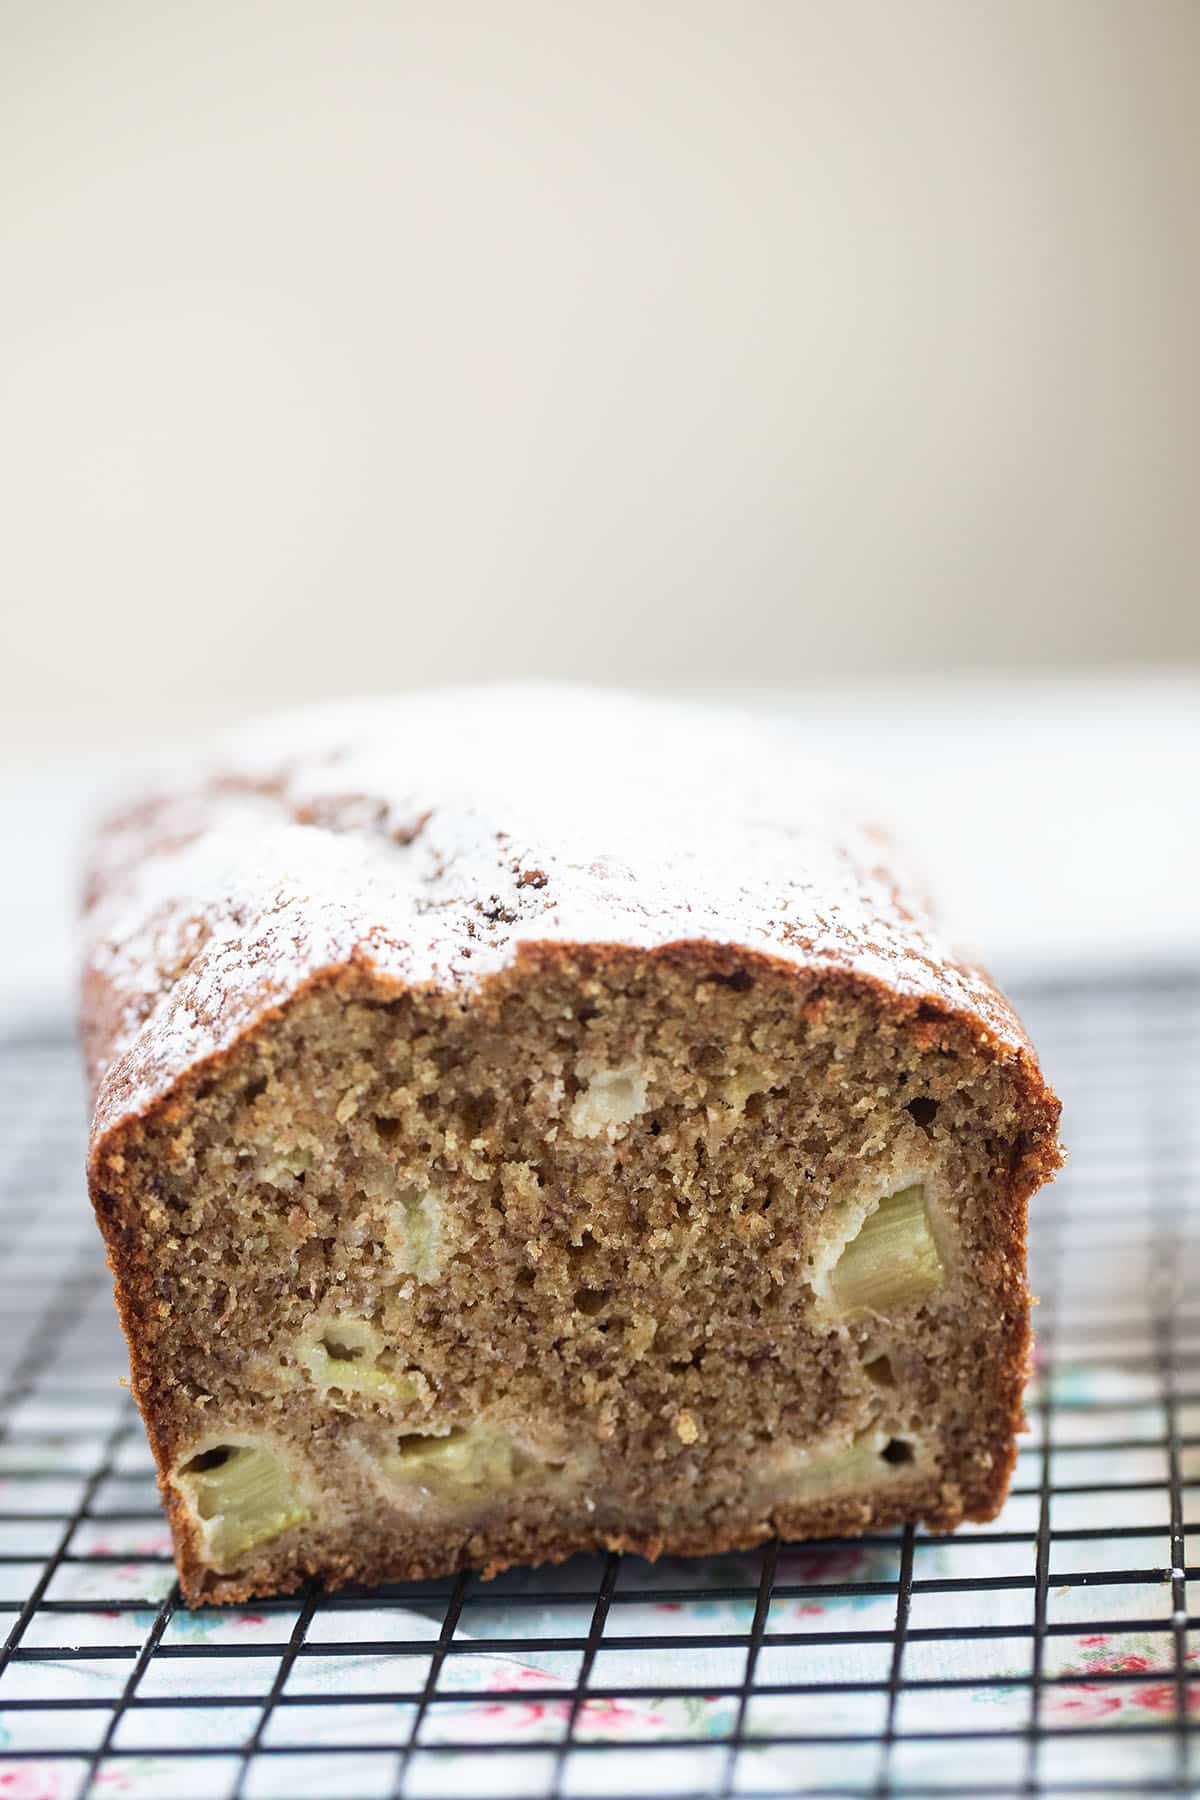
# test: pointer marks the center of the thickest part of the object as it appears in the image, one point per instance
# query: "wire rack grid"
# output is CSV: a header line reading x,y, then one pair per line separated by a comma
x,y
1052,1652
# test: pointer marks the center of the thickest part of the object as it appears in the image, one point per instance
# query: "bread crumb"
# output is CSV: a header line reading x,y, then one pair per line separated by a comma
x,y
686,1428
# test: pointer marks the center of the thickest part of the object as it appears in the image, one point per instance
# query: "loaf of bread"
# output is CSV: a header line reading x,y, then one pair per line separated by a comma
x,y
529,1121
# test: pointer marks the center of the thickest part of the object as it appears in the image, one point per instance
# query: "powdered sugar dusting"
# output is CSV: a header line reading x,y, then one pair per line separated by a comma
x,y
428,837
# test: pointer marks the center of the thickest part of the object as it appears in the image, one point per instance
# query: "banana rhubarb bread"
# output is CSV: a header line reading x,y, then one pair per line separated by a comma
x,y
528,1121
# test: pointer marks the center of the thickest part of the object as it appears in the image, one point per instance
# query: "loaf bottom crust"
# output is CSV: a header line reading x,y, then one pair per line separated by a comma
x,y
666,1253
375,1552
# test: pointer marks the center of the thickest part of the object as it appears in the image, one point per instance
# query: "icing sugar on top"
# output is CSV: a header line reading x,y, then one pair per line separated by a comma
x,y
430,835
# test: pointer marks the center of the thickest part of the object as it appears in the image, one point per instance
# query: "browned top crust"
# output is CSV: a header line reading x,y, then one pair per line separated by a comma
x,y
431,839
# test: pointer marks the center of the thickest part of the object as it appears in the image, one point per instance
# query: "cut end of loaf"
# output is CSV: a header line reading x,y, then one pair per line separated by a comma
x,y
667,1252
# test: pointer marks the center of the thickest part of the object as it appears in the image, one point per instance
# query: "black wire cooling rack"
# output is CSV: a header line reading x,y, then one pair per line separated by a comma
x,y
1050,1653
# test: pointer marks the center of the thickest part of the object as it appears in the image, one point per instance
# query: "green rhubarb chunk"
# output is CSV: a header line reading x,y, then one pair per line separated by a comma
x,y
863,1462
416,1213
349,1356
354,1375
245,1497
893,1262
460,1463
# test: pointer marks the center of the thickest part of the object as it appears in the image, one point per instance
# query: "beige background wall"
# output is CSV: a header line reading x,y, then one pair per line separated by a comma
x,y
350,345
